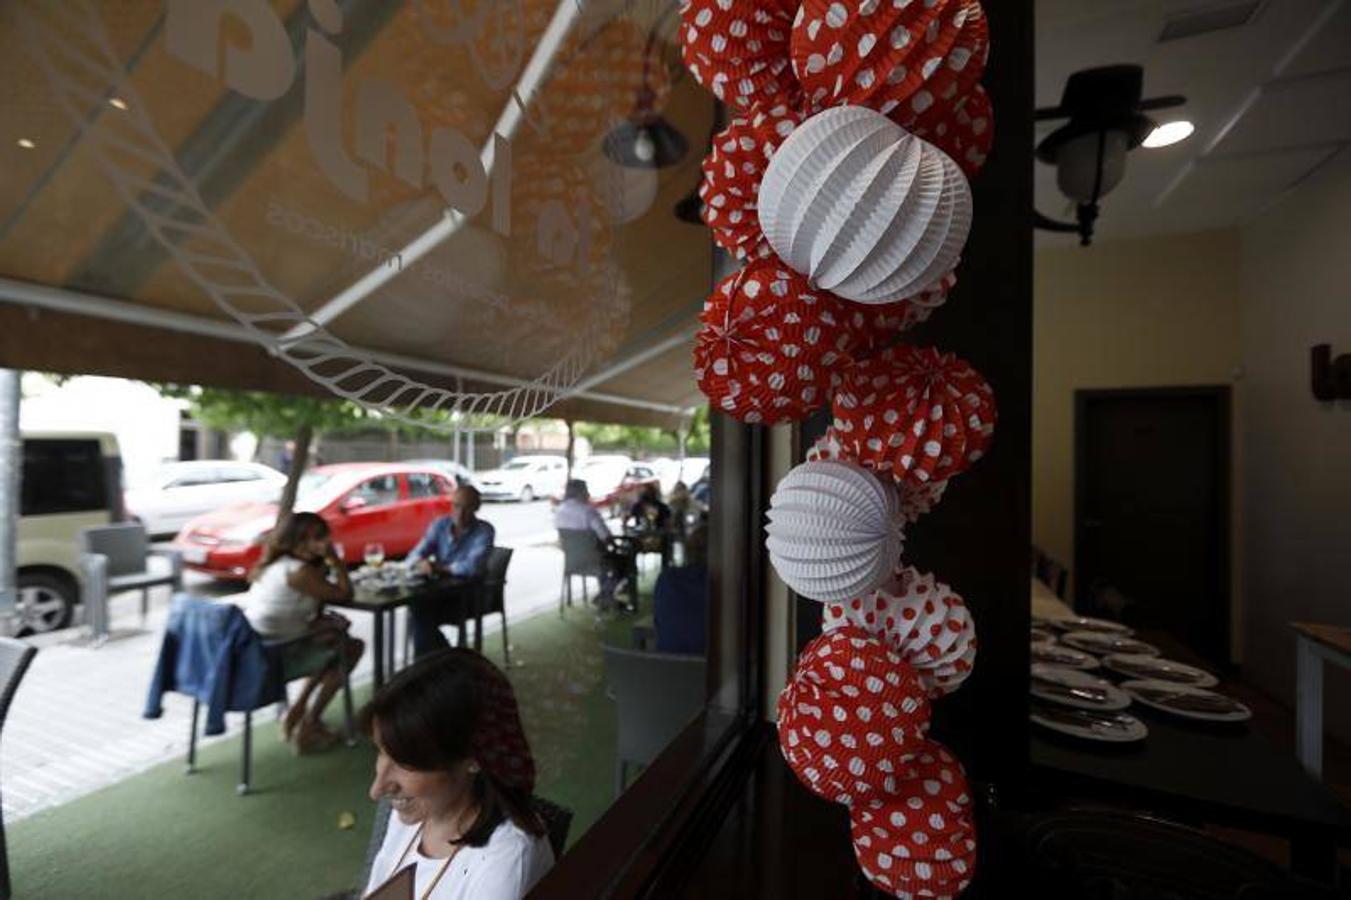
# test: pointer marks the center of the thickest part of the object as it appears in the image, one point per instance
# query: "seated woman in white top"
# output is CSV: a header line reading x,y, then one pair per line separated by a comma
x,y
455,766
290,586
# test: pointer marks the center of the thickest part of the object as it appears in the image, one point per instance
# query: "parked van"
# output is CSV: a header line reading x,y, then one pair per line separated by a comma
x,y
71,480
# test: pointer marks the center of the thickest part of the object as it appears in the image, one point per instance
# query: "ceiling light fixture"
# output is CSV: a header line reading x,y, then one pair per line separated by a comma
x,y
646,140
1169,133
650,144
26,143
1106,121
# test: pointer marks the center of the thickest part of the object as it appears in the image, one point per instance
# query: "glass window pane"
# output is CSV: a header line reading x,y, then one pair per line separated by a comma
x,y
61,476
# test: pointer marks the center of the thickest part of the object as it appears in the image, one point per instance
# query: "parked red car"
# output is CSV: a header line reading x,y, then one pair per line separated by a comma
x,y
387,503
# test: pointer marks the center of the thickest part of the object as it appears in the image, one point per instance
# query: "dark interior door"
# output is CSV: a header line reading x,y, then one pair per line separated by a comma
x,y
1152,511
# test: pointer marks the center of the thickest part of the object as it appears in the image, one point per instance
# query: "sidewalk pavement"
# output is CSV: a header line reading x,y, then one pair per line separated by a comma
x,y
75,725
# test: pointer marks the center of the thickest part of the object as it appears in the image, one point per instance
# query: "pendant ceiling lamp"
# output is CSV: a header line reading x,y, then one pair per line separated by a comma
x,y
646,140
1106,121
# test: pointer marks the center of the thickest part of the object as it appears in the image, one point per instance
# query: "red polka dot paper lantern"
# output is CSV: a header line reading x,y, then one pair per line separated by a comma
x,y
923,843
851,716
732,173
964,131
739,50
916,499
877,326
768,345
899,59
915,412
920,618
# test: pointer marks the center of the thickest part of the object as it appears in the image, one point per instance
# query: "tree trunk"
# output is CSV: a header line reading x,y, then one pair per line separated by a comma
x,y
299,459
572,444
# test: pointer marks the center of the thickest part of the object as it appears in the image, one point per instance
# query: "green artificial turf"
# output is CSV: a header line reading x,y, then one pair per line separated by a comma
x,y
166,834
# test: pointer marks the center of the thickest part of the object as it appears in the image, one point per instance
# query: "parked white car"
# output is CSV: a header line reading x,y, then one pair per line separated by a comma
x,y
175,493
524,478
460,473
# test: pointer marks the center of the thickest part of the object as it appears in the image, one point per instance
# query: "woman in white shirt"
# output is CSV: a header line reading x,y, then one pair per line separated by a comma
x,y
455,766
285,601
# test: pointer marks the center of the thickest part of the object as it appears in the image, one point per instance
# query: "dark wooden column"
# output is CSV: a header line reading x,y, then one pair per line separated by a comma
x,y
977,540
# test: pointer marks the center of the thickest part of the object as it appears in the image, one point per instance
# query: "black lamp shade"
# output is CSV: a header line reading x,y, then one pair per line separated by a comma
x,y
690,208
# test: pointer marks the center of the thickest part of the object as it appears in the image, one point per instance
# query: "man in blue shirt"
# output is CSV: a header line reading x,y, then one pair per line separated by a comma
x,y
456,545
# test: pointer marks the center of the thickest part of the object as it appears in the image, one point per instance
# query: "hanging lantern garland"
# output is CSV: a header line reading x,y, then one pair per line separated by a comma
x,y
841,185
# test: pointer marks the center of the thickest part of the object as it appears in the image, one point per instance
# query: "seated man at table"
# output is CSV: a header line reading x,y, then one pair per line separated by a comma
x,y
457,546
576,513
680,600
648,510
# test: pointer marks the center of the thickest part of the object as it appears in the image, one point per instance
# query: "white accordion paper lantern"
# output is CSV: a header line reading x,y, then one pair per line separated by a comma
x,y
834,530
863,208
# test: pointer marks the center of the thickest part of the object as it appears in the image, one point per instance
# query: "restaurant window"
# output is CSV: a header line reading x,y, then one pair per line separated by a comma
x,y
422,484
438,214
380,491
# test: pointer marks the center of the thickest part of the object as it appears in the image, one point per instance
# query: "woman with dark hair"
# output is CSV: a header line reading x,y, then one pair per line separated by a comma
x,y
285,600
455,766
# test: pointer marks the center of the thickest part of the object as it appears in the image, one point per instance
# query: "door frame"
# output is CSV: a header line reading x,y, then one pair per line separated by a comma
x,y
1222,396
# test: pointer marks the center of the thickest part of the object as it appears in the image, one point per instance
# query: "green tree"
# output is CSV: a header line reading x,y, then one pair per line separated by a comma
x,y
644,439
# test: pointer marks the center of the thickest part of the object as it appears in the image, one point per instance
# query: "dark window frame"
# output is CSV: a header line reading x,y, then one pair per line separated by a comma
x,y
640,841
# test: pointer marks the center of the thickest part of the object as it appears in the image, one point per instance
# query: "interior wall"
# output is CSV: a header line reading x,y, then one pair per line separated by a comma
x,y
1297,268
1153,312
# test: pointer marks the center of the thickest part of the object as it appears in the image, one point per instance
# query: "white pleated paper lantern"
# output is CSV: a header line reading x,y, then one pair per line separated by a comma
x,y
863,208
834,530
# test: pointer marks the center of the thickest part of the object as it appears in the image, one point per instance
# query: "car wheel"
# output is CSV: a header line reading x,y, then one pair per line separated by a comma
x,y
46,602
527,494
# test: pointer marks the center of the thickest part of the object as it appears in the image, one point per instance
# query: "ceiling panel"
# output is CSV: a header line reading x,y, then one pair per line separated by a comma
x,y
1326,49
1294,112
1228,189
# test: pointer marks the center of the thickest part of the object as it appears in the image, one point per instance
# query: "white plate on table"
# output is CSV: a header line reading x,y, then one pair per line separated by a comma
x,y
1109,727
1099,643
1087,623
1077,688
1156,668
1065,657
1174,699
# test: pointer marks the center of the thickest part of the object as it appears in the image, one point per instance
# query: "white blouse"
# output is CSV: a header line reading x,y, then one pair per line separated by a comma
x,y
274,608
505,868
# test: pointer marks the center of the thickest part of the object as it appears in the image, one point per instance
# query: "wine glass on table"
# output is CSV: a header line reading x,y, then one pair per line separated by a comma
x,y
374,555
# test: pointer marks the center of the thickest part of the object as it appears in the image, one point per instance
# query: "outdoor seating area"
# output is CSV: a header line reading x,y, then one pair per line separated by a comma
x,y
577,730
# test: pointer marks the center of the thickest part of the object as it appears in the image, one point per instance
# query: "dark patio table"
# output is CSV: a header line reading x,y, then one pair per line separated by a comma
x,y
383,603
